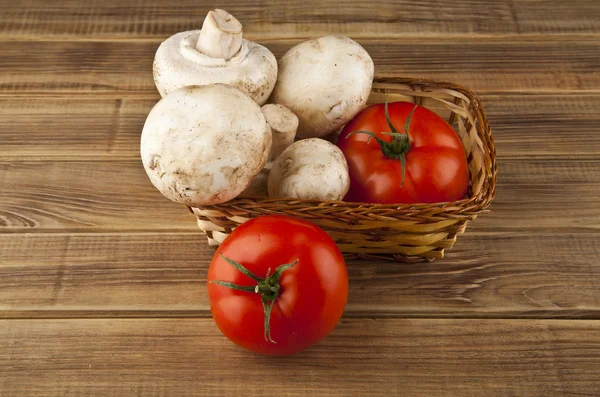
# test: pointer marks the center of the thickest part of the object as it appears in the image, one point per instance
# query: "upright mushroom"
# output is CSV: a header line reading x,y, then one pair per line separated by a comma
x,y
204,145
283,123
325,81
215,54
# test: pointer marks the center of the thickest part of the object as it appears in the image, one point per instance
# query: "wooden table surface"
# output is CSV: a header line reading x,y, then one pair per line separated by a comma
x,y
102,280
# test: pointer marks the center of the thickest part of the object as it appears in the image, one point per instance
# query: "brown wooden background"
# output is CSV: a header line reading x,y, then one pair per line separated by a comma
x,y
102,280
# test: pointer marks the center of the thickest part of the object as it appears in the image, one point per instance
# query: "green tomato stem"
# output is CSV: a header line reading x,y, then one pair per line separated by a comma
x,y
268,288
400,144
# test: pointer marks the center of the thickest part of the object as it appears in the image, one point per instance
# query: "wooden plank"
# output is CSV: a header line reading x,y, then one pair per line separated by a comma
x,y
72,128
126,19
37,128
108,272
550,126
487,64
85,195
400,18
362,357
494,275
47,196
544,194
557,16
104,127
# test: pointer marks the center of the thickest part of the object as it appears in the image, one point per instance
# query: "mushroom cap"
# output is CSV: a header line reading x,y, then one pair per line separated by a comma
x,y
178,63
203,145
325,81
310,169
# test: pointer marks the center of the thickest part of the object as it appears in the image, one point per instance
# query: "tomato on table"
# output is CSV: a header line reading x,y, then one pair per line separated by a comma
x,y
409,156
277,285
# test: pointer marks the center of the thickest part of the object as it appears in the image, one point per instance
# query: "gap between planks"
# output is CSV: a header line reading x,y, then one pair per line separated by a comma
x,y
102,158
417,37
570,315
149,95
194,230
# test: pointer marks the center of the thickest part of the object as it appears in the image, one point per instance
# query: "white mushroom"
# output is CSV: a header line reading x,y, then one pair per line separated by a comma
x,y
203,145
215,54
283,123
310,169
325,81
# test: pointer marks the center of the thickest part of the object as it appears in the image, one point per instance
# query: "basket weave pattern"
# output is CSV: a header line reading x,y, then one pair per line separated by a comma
x,y
404,232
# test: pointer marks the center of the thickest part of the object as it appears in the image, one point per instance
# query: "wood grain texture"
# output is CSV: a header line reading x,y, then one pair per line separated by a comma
x,y
542,64
497,275
69,128
146,19
102,280
106,127
361,357
73,196
117,196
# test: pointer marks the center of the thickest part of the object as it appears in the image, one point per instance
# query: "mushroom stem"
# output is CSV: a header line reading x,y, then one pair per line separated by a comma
x,y
221,35
283,123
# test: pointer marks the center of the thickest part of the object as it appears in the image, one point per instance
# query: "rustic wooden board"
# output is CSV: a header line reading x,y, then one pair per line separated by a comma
x,y
105,127
74,196
102,280
497,275
401,18
541,64
362,357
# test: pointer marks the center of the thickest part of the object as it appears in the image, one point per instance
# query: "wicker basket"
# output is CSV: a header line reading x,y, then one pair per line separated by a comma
x,y
408,233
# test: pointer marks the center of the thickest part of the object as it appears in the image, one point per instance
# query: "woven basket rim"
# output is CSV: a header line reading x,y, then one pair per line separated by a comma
x,y
471,205
338,203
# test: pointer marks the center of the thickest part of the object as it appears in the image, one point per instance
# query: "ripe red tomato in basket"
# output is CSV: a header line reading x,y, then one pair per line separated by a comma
x,y
388,166
277,285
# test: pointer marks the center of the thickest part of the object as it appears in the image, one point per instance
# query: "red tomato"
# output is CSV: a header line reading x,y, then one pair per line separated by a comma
x,y
436,166
306,301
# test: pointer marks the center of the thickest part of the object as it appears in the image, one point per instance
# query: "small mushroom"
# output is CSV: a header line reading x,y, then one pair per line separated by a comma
x,y
215,54
283,123
204,145
325,81
310,169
